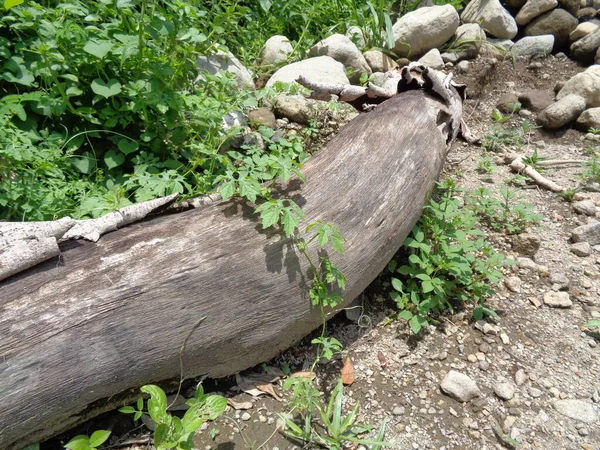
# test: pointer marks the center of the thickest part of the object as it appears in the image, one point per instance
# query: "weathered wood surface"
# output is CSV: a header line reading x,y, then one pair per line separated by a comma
x,y
112,315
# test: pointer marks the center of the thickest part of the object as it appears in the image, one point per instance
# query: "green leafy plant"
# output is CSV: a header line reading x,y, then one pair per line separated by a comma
x,y
337,428
568,195
486,165
591,170
171,431
498,117
449,263
534,161
83,442
507,214
593,323
499,137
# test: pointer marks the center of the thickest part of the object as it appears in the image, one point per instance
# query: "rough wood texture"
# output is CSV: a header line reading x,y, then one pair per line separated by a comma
x,y
113,314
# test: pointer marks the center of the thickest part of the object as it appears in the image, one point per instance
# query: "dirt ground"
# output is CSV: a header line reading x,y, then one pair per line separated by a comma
x,y
544,354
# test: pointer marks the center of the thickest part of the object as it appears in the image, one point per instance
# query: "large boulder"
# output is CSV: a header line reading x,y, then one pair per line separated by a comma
x,y
222,61
533,46
585,49
557,22
492,17
419,31
468,39
570,5
585,84
534,8
590,118
342,49
562,112
379,61
582,30
276,49
322,69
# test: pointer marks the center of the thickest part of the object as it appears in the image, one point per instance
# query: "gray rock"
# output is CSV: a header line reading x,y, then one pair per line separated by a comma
x,y
557,299
399,410
581,249
492,17
577,409
521,377
536,99
585,14
322,69
275,50
460,386
228,63
433,59
534,392
468,38
590,118
245,416
297,108
342,49
262,116
378,78
570,5
587,233
513,284
526,244
356,35
562,112
558,23
419,31
234,119
526,263
582,30
533,8
453,57
560,281
463,67
504,390
585,48
379,61
587,207
506,103
533,46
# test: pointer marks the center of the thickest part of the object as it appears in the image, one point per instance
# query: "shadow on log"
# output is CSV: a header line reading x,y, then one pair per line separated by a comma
x,y
109,316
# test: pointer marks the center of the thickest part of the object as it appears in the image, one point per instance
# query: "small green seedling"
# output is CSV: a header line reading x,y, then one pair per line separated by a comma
x,y
83,442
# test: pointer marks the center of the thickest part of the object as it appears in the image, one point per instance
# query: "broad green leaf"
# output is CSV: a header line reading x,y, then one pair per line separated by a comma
x,y
113,159
269,214
84,163
216,404
592,323
290,222
227,189
397,284
423,277
406,315
127,409
427,286
106,89
161,433
99,437
79,442
12,3
157,403
414,324
127,146
98,48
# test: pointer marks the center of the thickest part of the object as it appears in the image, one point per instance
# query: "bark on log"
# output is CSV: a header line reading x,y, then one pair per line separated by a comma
x,y
114,314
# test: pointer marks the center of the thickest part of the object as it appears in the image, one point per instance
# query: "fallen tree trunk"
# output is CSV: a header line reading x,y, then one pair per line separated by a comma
x,y
109,316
